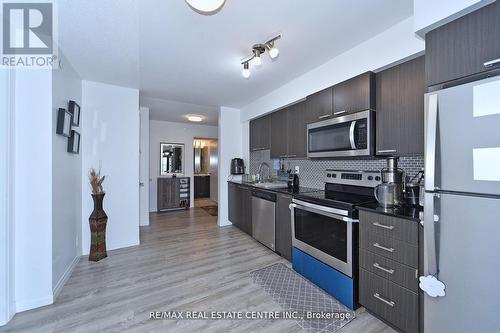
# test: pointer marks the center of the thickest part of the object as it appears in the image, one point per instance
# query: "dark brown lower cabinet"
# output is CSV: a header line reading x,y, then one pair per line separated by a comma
x,y
388,269
396,305
284,226
201,187
172,193
240,207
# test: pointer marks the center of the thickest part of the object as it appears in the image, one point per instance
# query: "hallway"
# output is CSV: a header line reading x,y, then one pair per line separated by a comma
x,y
185,262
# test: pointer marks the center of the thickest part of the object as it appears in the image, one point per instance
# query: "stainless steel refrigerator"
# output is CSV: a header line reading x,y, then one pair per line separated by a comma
x,y
462,209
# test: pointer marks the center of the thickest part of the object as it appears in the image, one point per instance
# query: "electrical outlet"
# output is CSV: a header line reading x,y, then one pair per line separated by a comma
x,y
297,169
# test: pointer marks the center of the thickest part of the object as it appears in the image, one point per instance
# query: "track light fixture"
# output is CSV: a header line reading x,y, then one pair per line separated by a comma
x,y
257,50
245,72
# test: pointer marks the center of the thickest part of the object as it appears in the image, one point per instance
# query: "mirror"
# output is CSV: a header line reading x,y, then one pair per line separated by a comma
x,y
171,159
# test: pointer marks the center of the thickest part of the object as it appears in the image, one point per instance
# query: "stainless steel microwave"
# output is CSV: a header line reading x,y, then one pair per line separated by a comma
x,y
349,135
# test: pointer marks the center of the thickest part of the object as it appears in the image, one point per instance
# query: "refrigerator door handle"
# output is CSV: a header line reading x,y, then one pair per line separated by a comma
x,y
431,115
430,258
429,283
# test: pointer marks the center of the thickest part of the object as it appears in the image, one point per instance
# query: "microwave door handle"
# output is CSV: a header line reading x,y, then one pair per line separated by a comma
x,y
351,135
431,115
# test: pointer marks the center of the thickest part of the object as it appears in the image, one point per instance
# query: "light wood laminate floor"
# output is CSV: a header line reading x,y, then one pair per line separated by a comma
x,y
184,262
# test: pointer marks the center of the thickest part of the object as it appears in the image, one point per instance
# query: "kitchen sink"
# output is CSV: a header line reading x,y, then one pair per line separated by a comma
x,y
271,185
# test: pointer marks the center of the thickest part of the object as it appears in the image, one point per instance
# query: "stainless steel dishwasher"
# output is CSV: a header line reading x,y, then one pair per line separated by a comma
x,y
263,217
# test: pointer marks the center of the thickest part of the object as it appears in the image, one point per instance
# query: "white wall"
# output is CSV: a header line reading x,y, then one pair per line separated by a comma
x,y
144,167
110,139
389,46
230,146
430,14
66,180
7,292
33,188
169,132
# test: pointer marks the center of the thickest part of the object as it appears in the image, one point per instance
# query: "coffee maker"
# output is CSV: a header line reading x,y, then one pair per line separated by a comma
x,y
390,192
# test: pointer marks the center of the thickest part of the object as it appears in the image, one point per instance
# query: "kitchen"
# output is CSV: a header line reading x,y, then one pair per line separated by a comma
x,y
255,166
359,235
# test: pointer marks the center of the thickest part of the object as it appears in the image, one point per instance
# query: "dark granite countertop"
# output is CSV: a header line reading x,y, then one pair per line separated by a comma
x,y
284,190
405,211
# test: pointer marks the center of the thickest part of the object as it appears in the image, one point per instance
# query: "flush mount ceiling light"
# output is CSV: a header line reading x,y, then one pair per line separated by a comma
x,y
194,118
206,7
257,50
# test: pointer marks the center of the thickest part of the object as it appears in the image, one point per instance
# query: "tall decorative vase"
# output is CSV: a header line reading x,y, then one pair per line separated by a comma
x,y
98,220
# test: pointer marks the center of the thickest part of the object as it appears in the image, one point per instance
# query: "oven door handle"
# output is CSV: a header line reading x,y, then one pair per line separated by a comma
x,y
326,211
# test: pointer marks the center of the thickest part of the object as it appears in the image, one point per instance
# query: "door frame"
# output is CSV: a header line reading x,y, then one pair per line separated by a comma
x,y
193,165
7,301
144,166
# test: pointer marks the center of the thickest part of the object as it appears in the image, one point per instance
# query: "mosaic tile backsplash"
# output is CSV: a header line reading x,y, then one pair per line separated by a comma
x,y
311,171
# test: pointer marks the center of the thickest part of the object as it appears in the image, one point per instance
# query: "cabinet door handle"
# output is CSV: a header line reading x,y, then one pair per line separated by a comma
x,y
387,151
388,227
378,246
340,112
380,298
324,116
291,156
491,63
387,270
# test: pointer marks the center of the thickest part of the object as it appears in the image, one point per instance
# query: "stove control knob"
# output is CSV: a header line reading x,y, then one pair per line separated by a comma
x,y
377,178
334,175
329,175
370,177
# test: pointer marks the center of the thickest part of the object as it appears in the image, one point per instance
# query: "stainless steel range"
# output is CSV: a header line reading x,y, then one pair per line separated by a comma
x,y
325,231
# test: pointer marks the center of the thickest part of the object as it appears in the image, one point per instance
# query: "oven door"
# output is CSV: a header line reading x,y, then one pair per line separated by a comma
x,y
349,135
324,233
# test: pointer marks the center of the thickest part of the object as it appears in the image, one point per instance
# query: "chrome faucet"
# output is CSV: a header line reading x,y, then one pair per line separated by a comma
x,y
259,173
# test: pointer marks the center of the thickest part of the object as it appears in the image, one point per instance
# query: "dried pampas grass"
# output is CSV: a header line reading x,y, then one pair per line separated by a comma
x,y
96,181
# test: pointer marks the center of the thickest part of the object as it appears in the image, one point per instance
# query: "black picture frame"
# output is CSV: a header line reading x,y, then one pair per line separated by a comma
x,y
74,109
64,120
74,142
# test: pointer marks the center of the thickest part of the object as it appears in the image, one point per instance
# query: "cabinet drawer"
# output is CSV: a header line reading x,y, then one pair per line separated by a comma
x,y
393,303
389,226
396,272
389,247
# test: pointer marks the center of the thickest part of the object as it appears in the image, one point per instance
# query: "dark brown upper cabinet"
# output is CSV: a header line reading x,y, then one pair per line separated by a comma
x,y
355,94
319,106
288,132
400,109
279,130
260,133
464,47
296,130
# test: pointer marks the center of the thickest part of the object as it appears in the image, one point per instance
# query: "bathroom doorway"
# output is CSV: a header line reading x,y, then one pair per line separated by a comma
x,y
206,178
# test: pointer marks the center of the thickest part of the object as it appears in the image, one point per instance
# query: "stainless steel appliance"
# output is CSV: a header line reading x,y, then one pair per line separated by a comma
x,y
263,217
324,227
349,135
390,192
462,208
237,166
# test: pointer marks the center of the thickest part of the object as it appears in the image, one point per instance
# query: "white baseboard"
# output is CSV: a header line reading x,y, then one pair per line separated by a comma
x,y
34,303
62,281
4,319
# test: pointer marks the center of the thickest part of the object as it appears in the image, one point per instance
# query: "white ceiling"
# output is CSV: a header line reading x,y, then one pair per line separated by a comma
x,y
168,110
170,52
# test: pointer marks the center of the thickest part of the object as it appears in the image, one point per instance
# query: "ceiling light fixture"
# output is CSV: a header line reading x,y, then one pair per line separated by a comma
x,y
273,50
206,7
257,50
246,71
194,118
